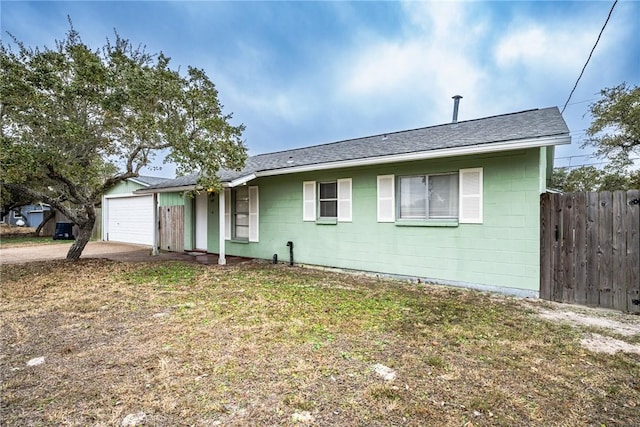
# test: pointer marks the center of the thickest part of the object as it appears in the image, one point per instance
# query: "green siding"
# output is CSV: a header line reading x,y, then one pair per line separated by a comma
x,y
171,199
124,187
503,251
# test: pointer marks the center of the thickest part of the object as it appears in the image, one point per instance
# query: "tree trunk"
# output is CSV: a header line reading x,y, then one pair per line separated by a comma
x,y
84,233
48,216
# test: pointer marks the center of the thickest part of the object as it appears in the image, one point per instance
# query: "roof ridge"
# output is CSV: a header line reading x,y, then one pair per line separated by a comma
x,y
398,131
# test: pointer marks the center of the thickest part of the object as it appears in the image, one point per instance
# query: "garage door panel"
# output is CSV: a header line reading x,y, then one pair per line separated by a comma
x,y
130,220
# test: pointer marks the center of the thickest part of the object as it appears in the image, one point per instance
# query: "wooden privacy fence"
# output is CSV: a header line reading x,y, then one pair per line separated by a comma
x,y
171,228
590,249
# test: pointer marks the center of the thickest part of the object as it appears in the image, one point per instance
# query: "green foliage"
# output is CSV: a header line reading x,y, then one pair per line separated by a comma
x,y
615,133
76,121
590,178
615,130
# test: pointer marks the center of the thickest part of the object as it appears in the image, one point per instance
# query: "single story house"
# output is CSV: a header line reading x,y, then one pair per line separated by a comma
x,y
456,203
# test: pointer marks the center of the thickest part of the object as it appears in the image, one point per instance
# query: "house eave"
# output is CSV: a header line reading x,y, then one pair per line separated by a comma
x,y
165,189
561,139
424,155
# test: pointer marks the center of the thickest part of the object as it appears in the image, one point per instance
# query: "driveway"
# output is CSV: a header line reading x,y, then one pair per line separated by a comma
x,y
110,250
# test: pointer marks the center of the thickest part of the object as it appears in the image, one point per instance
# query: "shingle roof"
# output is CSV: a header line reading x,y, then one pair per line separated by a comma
x,y
506,128
151,180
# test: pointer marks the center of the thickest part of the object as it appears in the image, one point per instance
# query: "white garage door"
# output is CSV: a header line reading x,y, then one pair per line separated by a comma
x,y
130,220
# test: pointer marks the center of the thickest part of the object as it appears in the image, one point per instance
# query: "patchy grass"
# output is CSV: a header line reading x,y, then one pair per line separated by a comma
x,y
254,344
14,240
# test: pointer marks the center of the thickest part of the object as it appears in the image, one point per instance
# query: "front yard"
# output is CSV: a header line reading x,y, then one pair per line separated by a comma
x,y
173,343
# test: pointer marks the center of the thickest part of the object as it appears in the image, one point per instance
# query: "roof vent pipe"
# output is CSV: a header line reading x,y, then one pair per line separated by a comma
x,y
456,102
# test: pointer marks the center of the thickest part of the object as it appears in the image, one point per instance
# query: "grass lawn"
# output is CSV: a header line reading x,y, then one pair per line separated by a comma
x,y
258,344
25,240
12,236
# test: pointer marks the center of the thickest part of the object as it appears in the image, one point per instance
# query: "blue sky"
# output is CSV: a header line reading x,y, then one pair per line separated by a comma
x,y
305,73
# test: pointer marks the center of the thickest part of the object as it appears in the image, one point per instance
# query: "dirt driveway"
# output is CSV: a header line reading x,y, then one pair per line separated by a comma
x,y
22,254
110,250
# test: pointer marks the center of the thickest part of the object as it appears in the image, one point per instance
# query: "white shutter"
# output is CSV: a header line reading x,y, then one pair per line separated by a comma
x,y
386,198
344,200
253,214
309,201
227,214
471,196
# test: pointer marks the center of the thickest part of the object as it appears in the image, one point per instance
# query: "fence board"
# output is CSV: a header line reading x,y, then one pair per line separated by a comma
x,y
632,225
171,228
619,249
545,249
568,262
590,249
580,251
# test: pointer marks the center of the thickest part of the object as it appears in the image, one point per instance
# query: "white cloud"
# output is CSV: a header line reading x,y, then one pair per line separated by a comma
x,y
543,46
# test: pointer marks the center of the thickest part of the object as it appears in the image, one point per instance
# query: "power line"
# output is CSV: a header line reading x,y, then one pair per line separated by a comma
x,y
590,54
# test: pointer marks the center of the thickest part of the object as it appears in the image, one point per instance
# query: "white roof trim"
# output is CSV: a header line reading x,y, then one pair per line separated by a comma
x,y
137,181
165,190
239,181
423,155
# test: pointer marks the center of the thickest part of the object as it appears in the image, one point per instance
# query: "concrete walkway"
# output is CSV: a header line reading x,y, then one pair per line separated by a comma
x,y
111,250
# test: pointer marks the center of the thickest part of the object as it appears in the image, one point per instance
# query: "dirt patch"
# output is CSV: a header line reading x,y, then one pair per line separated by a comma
x,y
603,344
622,326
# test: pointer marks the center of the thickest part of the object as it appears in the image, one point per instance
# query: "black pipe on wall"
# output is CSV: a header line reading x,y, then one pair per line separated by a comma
x,y
290,245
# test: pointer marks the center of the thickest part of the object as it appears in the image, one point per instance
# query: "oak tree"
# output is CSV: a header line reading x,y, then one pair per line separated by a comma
x,y
76,121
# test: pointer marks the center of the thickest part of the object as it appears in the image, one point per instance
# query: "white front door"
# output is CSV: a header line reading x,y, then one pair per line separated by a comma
x,y
202,207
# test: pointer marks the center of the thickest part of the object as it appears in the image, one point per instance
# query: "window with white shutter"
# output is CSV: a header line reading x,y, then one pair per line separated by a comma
x,y
309,201
344,200
386,198
471,196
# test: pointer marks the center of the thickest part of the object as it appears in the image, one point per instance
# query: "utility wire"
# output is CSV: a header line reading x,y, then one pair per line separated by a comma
x,y
590,54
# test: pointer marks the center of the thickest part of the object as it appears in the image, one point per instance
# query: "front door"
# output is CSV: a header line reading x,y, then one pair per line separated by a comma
x,y
202,206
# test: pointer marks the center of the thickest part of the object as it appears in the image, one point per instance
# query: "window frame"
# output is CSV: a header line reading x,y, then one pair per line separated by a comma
x,y
333,200
427,217
235,213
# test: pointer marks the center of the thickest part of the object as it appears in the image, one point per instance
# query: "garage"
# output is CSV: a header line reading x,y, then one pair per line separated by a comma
x,y
129,219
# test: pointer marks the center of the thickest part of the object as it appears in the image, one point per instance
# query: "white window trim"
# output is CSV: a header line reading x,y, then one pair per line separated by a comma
x,y
427,218
227,213
328,200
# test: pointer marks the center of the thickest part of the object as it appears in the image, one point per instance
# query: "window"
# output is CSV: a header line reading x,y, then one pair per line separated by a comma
x,y
418,198
333,200
240,222
328,199
429,197
241,213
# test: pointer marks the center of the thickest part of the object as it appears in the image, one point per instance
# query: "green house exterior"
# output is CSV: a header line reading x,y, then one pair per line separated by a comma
x,y
497,248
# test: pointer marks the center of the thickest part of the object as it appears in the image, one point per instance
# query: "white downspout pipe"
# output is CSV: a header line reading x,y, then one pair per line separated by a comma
x,y
221,229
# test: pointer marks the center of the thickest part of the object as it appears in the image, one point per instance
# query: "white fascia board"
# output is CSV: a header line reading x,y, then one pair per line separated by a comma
x,y
144,184
239,181
423,155
120,195
165,190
